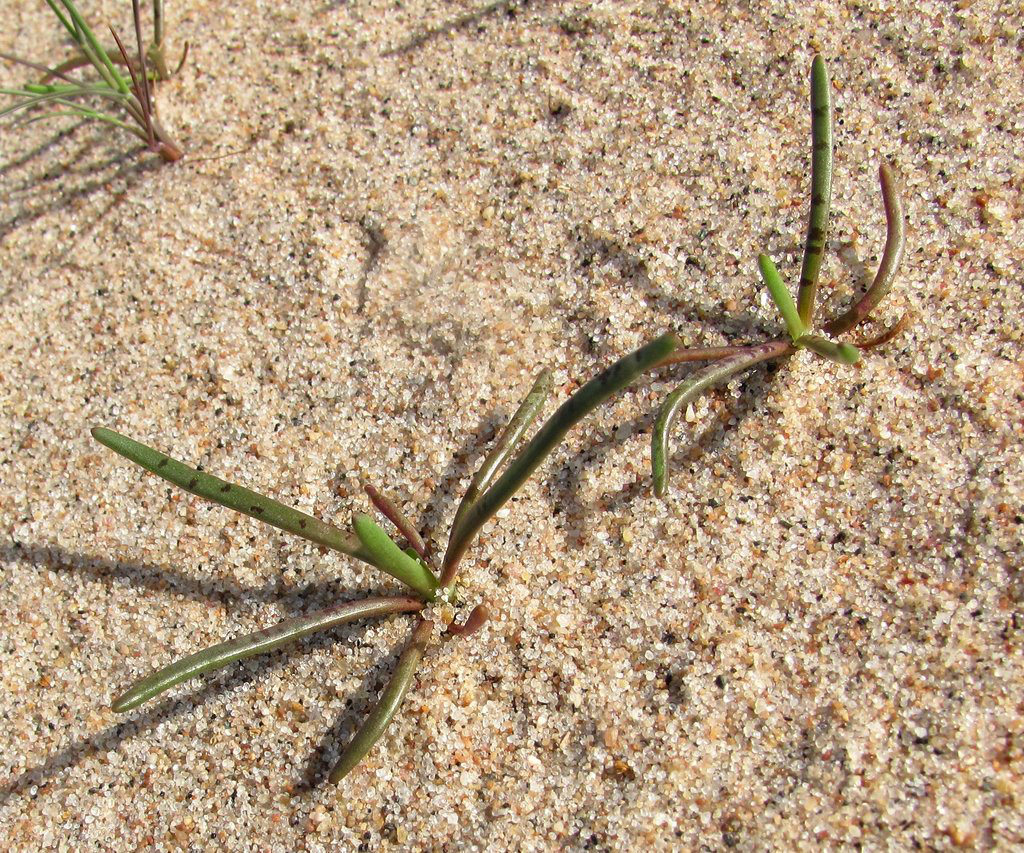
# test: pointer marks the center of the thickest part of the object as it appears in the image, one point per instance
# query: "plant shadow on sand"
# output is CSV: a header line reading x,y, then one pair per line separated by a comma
x,y
72,179
309,597
475,17
707,323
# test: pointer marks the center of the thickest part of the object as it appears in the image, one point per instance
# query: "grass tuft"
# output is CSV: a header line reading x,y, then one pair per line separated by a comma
x,y
127,101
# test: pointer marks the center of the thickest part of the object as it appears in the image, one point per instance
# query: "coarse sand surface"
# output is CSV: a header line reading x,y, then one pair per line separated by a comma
x,y
389,216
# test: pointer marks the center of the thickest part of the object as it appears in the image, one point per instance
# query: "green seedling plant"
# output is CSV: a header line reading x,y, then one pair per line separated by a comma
x,y
429,582
507,467
798,317
129,92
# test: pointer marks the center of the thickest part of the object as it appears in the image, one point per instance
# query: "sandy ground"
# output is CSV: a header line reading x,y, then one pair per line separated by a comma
x,y
389,216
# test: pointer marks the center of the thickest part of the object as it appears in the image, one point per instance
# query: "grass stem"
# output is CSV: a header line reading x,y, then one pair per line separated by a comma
x,y
841,353
392,513
892,254
506,444
781,296
231,496
714,374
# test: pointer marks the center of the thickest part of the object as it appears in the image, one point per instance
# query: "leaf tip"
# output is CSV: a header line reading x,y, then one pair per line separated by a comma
x,y
122,703
102,435
848,353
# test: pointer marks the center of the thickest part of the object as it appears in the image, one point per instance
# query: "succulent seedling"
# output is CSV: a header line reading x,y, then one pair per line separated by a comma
x,y
429,583
433,583
798,317
131,94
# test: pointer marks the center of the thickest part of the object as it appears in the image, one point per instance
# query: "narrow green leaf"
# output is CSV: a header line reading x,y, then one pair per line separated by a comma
x,y
82,112
258,643
691,389
60,15
507,442
387,705
32,99
48,72
821,188
548,437
231,496
388,557
94,50
842,353
781,296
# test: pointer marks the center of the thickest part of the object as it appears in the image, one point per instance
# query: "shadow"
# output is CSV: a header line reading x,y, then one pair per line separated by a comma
x,y
593,251
170,708
465,461
376,240
857,268
465,21
835,296
166,580
565,494
41,149
57,190
433,522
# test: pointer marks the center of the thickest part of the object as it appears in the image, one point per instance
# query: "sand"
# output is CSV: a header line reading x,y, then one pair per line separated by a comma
x,y
389,217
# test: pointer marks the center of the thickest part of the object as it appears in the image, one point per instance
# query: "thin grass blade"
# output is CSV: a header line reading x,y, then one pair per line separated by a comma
x,y
266,640
60,15
506,444
231,496
892,254
184,56
387,706
145,96
691,389
48,89
690,354
821,188
94,50
82,112
49,73
68,113
781,296
31,99
548,437
388,557
141,95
